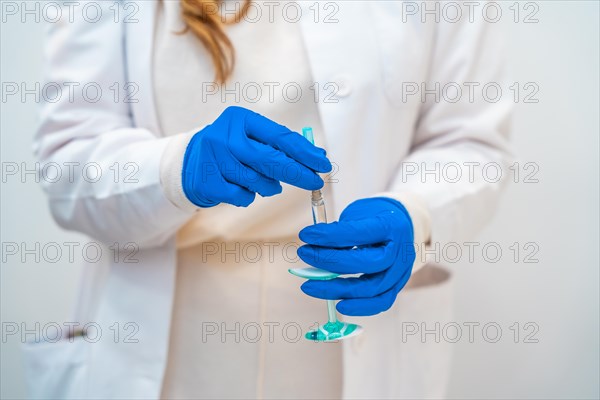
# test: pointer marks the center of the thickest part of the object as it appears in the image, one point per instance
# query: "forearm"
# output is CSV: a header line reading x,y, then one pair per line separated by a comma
x,y
121,199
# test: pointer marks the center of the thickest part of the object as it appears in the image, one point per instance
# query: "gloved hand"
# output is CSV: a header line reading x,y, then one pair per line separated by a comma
x,y
243,153
374,236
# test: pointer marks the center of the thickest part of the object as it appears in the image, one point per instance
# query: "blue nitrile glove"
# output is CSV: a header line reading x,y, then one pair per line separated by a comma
x,y
243,153
374,237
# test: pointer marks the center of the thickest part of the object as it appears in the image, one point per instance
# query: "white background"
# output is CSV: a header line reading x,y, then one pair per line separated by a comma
x,y
560,293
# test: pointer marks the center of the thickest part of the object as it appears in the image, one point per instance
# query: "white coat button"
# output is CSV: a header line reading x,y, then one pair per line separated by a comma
x,y
344,87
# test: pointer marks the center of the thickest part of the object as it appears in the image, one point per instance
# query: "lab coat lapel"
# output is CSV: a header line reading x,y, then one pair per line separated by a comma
x,y
139,42
140,293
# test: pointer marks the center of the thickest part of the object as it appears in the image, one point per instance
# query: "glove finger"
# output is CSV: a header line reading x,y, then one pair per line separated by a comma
x,y
276,165
291,143
367,285
364,286
368,231
369,306
233,194
369,259
216,188
236,172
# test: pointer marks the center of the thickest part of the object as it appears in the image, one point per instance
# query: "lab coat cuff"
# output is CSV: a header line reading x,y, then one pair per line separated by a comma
x,y
171,165
421,220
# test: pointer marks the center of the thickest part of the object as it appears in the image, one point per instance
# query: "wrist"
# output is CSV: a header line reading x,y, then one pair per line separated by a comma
x,y
421,221
194,171
393,203
171,168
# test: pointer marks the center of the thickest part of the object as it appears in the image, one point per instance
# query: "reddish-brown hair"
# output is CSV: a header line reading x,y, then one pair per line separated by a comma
x,y
202,17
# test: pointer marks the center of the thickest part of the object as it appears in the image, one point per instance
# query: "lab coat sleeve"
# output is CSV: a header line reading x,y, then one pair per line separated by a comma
x,y
472,135
110,185
171,166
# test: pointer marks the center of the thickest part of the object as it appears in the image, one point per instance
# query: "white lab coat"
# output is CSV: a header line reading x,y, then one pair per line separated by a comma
x,y
368,53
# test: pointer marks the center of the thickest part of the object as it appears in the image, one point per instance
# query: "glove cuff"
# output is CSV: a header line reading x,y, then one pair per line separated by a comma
x,y
171,166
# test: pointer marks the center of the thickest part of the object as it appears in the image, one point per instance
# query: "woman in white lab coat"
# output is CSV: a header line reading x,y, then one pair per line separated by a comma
x,y
184,308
